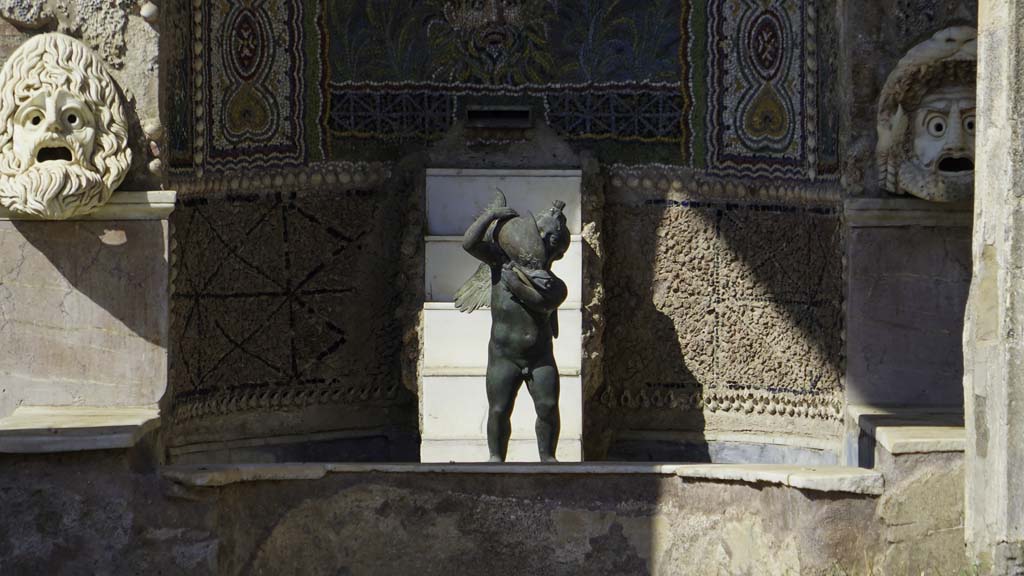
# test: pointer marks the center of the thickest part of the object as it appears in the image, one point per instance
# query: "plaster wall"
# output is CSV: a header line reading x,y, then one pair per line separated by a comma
x,y
992,353
907,274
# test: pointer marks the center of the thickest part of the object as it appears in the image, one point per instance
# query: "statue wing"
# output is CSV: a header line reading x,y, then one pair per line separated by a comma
x,y
476,292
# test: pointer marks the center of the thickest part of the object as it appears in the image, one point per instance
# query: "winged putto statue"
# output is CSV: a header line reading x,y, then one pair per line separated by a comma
x,y
515,280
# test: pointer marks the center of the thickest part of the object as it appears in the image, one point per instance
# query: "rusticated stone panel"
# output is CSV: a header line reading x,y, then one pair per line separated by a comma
x,y
284,318
724,311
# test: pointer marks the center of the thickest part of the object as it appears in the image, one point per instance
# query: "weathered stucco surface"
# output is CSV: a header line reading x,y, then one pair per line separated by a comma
x,y
84,313
993,356
921,514
99,513
905,303
541,525
112,513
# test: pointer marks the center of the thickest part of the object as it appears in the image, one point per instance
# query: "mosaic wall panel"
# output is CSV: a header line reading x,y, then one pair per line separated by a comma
x,y
738,87
771,89
718,305
246,77
283,301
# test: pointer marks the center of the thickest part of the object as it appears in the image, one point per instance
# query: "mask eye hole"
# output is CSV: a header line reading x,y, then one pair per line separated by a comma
x,y
969,124
36,120
936,126
72,119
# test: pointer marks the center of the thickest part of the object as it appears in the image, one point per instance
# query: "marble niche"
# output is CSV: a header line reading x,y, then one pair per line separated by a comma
x,y
453,402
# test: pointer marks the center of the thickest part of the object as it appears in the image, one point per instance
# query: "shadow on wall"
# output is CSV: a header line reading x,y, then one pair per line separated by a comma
x,y
121,266
721,316
284,325
646,364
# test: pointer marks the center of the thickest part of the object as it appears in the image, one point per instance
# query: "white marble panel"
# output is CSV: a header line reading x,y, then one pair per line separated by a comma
x,y
448,266
475,450
454,342
456,197
456,407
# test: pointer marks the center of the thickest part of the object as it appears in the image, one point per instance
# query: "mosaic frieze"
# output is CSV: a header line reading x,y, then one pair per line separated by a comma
x,y
740,87
278,301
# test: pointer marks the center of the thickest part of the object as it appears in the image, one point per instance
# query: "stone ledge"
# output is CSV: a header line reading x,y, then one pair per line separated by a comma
x,y
520,172
481,371
148,205
883,212
51,429
818,478
921,439
821,479
907,430
565,307
225,474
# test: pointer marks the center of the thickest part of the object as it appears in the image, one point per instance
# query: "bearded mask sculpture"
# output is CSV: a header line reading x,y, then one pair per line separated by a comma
x,y
926,119
64,140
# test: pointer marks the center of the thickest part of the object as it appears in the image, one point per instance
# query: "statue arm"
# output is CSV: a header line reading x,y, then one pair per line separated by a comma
x,y
532,298
473,240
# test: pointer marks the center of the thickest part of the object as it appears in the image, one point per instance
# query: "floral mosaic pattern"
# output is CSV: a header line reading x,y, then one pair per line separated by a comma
x,y
739,87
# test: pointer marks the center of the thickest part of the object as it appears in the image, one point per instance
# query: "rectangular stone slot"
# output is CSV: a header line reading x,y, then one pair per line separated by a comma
x,y
499,117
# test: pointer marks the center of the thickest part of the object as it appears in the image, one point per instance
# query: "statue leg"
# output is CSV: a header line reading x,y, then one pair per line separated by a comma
x,y
503,381
543,385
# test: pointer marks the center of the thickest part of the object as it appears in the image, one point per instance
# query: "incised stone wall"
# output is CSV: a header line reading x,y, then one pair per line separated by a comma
x,y
286,303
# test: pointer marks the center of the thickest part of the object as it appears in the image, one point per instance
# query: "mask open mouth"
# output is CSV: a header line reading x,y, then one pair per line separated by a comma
x,y
956,164
494,37
53,153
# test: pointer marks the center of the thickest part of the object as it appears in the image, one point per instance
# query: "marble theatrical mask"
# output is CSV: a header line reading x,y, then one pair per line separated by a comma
x,y
926,120
54,127
64,149
943,144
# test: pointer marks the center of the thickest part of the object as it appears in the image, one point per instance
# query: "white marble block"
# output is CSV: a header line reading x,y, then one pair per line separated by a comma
x,y
453,418
453,398
456,343
84,303
456,197
448,266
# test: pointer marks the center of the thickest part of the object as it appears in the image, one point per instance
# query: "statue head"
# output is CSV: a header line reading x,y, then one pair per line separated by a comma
x,y
534,242
554,231
926,119
63,135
